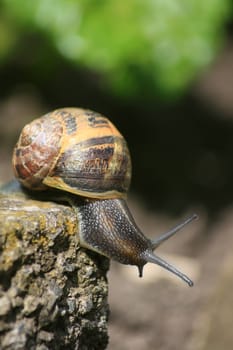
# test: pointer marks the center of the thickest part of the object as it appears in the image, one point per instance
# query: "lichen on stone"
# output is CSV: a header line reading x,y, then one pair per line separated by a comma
x,y
53,294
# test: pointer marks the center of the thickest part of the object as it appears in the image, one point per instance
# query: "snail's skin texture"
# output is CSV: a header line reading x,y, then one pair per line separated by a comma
x,y
108,228
83,155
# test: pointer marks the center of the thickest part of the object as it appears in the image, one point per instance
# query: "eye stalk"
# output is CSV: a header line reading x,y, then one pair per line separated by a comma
x,y
149,256
166,235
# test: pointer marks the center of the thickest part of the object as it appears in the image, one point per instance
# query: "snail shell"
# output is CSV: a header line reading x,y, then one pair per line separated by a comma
x,y
75,150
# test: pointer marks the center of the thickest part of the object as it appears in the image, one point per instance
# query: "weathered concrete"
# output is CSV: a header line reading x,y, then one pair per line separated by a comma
x,y
53,294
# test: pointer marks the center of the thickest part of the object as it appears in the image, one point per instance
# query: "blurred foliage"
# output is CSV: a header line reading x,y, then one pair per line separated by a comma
x,y
139,46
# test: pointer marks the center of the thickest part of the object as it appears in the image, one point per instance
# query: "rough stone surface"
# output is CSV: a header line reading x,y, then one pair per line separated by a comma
x,y
53,294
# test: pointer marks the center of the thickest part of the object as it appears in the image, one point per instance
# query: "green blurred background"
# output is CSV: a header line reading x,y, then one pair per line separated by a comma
x,y
138,62
162,71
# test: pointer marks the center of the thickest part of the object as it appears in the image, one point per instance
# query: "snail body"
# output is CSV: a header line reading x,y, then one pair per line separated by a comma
x,y
82,153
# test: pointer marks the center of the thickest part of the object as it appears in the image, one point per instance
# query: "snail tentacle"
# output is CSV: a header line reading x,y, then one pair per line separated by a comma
x,y
152,258
163,237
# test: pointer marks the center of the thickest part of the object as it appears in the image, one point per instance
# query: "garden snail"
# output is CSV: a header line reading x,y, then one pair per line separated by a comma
x,y
81,152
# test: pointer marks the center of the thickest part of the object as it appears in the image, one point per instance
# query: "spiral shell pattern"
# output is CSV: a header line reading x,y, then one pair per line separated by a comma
x,y
75,150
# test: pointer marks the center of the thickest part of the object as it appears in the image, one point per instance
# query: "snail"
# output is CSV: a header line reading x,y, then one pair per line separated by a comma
x,y
82,154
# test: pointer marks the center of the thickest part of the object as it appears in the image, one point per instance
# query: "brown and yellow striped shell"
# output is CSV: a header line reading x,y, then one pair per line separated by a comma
x,y
74,150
